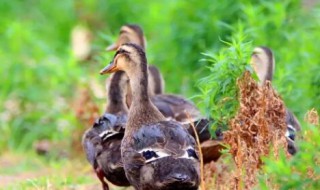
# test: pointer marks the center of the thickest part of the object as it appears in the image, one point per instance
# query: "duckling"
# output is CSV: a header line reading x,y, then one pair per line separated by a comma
x,y
262,60
156,154
102,142
133,33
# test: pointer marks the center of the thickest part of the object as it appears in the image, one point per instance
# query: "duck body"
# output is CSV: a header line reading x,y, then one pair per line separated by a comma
x,y
94,144
102,141
293,126
154,151
151,142
109,155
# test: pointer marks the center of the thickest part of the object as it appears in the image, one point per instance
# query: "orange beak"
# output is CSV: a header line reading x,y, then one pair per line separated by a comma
x,y
111,68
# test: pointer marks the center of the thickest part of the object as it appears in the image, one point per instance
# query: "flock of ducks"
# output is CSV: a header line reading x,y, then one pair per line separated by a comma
x,y
145,138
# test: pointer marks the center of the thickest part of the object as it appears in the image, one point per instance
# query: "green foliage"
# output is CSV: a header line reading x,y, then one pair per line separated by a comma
x,y
37,73
302,171
219,90
292,34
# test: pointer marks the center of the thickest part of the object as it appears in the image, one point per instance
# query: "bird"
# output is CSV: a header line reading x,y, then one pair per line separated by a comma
x,y
102,142
133,33
156,153
171,105
210,146
263,62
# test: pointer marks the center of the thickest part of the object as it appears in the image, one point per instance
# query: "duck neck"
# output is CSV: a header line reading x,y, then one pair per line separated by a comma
x,y
116,100
142,111
137,39
139,86
270,69
266,73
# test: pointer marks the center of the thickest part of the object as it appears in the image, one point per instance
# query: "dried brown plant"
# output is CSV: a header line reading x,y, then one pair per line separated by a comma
x,y
202,184
258,125
219,175
312,117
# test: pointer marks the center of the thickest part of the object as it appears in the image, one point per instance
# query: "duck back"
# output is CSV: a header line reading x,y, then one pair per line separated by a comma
x,y
162,156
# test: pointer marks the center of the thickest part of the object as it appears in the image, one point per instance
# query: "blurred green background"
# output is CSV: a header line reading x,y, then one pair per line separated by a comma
x,y
47,92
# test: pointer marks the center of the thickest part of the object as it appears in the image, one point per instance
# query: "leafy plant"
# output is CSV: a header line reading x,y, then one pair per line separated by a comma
x,y
219,91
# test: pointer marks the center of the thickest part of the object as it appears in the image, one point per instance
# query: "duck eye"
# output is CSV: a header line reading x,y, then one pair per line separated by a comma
x,y
149,154
192,153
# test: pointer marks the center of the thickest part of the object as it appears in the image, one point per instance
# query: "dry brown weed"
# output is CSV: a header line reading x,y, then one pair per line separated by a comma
x,y
312,117
258,125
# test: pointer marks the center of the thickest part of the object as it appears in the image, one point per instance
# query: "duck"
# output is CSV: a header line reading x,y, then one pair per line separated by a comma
x,y
210,147
133,33
201,125
102,141
172,106
156,153
263,63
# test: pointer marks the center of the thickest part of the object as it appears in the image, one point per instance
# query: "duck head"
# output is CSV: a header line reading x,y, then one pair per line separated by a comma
x,y
129,33
129,58
263,63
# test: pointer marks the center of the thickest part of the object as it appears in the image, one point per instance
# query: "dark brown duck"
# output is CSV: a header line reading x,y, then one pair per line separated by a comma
x,y
171,106
102,142
157,154
169,103
132,33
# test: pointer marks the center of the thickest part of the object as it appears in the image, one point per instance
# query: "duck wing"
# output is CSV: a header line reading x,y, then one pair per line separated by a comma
x,y
173,106
167,138
292,120
90,141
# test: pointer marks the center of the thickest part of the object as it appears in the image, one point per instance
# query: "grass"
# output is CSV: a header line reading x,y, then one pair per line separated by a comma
x,y
30,171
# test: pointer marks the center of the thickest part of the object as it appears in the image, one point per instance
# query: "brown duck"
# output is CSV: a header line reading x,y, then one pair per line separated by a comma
x,y
171,106
157,154
263,62
210,147
102,142
131,33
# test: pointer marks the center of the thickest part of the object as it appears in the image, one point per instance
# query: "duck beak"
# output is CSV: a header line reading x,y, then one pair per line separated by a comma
x,y
111,68
112,47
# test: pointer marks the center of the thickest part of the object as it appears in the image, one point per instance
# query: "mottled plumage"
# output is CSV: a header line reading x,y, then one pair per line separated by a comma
x,y
157,154
102,142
